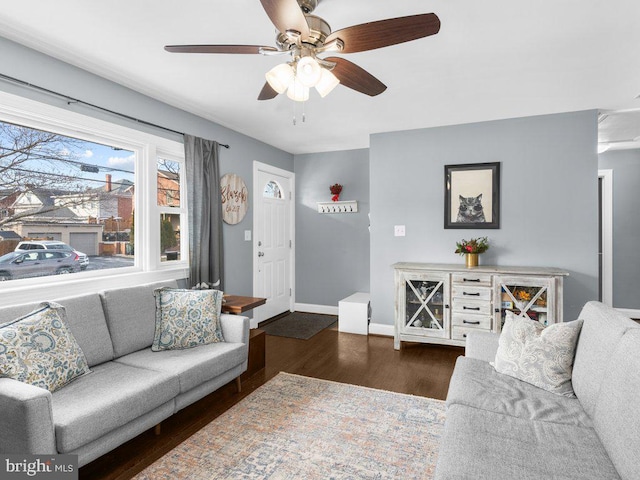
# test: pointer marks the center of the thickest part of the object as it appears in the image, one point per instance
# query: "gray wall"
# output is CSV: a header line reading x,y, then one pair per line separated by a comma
x,y
33,67
626,224
549,199
332,250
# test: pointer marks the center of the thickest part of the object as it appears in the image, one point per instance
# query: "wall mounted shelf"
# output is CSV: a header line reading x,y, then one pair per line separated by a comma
x,y
350,206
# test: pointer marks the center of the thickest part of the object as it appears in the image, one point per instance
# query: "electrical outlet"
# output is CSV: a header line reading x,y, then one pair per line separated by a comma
x,y
247,235
399,230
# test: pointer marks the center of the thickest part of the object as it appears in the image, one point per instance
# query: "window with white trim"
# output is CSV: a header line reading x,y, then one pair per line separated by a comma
x,y
94,186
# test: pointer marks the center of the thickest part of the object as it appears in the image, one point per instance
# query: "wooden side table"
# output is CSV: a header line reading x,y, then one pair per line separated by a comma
x,y
257,353
237,304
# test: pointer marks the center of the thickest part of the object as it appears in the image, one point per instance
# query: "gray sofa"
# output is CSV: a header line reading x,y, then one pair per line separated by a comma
x,y
130,388
498,427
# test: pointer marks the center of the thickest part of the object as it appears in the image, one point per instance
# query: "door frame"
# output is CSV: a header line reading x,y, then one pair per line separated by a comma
x,y
607,243
606,207
257,190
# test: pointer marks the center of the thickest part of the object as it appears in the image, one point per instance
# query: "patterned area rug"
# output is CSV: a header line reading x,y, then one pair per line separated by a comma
x,y
297,427
299,325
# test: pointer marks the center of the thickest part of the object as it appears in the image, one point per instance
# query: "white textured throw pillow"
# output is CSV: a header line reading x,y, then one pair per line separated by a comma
x,y
539,355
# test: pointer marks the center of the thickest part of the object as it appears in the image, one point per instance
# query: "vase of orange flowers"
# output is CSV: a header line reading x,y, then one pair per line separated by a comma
x,y
471,249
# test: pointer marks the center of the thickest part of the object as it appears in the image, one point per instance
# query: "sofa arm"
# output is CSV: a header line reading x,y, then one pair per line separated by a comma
x,y
235,328
482,345
26,419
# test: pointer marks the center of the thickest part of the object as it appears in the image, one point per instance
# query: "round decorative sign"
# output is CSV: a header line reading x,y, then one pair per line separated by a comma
x,y
235,198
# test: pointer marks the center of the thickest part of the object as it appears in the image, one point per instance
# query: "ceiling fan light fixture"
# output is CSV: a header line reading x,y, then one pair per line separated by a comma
x,y
328,81
280,77
297,91
308,71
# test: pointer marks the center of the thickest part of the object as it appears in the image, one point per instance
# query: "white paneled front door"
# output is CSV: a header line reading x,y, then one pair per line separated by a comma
x,y
273,240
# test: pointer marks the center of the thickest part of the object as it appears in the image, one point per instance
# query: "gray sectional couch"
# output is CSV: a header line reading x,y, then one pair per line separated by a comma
x,y
130,388
499,427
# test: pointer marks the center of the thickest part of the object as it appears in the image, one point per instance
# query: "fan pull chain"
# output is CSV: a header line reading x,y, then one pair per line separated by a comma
x,y
304,116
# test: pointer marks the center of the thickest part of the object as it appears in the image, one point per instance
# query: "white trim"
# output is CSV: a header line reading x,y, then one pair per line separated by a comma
x,y
630,312
60,286
381,329
607,235
311,308
264,167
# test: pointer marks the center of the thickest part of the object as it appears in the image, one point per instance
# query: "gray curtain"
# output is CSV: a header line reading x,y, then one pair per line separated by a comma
x,y
205,211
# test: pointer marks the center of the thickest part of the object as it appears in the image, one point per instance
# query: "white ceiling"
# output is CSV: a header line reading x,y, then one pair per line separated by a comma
x,y
491,60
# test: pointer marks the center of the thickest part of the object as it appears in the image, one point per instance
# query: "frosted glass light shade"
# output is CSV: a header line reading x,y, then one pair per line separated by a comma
x,y
328,81
297,91
280,77
308,71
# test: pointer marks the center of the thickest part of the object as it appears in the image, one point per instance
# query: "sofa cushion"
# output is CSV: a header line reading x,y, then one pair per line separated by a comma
x,y
110,397
602,330
39,349
539,355
617,417
475,383
131,316
192,366
85,319
186,318
482,445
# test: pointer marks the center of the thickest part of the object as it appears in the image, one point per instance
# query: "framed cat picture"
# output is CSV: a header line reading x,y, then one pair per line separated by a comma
x,y
472,195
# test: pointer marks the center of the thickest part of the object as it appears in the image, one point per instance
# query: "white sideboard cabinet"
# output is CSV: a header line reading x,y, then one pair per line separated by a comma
x,y
439,303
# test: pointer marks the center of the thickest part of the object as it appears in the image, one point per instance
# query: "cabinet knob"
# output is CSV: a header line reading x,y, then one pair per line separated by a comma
x,y
497,310
446,306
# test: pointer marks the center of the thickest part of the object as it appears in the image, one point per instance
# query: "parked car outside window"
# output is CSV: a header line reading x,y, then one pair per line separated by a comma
x,y
52,245
15,265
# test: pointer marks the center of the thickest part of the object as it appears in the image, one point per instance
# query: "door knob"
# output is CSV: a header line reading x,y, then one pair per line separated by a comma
x,y
261,254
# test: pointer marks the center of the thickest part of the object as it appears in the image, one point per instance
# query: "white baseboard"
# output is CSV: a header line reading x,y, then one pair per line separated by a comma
x,y
321,309
381,329
374,328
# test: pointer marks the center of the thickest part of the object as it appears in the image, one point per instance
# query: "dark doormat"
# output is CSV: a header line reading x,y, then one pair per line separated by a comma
x,y
299,325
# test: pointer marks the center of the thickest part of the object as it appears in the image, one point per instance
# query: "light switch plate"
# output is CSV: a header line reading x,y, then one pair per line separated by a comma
x,y
247,235
399,230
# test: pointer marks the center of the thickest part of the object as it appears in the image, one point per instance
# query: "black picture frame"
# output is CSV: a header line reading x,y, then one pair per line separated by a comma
x,y
467,187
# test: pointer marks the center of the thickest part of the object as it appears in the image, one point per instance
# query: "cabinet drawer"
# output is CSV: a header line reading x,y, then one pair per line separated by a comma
x,y
480,307
460,333
471,320
469,292
471,278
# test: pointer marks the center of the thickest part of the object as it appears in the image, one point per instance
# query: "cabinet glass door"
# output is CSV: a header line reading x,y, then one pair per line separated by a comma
x,y
532,298
424,306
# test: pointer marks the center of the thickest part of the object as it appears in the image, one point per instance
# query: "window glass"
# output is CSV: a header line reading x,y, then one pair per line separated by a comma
x,y
168,183
171,208
64,189
272,190
169,237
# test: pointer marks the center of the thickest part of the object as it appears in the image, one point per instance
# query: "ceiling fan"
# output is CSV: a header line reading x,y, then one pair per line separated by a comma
x,y
304,37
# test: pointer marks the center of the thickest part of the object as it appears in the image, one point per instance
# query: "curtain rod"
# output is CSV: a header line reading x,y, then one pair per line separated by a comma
x,y
71,100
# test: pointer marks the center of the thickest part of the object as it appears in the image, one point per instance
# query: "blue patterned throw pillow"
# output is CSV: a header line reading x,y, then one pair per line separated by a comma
x,y
39,349
186,318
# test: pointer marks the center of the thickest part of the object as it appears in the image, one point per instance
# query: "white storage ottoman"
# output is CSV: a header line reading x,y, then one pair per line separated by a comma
x,y
353,314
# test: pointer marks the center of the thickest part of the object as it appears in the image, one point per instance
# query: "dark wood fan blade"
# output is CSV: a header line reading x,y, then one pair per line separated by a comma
x,y
267,93
286,15
383,33
355,77
242,49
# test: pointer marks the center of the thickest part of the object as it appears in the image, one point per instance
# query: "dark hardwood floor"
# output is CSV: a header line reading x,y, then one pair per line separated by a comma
x,y
369,361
